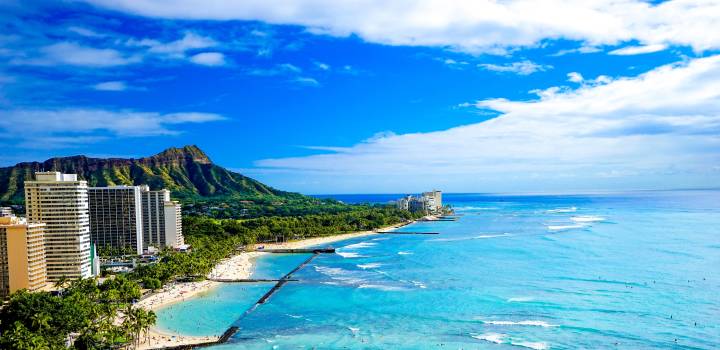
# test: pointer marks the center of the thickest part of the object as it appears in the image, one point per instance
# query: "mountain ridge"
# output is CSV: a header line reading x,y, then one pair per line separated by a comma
x,y
186,171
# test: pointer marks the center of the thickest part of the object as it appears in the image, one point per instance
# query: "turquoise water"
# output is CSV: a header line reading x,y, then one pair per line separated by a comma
x,y
632,271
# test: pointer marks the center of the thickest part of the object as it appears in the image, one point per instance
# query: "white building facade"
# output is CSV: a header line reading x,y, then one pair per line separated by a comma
x,y
162,219
61,202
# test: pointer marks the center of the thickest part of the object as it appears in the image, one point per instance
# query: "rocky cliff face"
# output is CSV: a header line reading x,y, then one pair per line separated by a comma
x,y
186,171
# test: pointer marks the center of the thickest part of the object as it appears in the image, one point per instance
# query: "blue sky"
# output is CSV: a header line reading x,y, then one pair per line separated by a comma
x,y
340,97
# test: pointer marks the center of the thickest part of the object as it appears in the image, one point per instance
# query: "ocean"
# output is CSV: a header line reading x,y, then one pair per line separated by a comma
x,y
636,270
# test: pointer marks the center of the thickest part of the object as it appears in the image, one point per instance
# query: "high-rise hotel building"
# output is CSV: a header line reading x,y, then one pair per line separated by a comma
x,y
116,218
22,255
162,219
173,224
61,202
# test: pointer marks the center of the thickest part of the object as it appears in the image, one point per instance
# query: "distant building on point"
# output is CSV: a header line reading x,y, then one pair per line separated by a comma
x,y
428,203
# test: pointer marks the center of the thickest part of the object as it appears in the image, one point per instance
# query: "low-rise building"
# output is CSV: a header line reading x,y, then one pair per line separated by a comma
x,y
22,255
6,211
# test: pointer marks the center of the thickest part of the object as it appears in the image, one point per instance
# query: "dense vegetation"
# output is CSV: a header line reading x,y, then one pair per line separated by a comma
x,y
86,310
85,313
221,208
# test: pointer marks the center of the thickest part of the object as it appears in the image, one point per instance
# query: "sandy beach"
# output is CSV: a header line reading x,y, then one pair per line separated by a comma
x,y
237,267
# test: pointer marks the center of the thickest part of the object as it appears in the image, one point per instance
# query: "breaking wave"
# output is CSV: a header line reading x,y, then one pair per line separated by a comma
x,y
587,218
562,210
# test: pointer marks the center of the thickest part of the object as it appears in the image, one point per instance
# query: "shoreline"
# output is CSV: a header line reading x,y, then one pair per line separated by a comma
x,y
238,266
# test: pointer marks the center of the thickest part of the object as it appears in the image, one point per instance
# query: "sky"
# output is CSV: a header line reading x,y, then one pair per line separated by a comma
x,y
366,96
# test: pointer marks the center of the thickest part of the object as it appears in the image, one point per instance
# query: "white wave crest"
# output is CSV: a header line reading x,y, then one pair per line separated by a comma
x,y
587,218
381,287
359,245
565,227
533,323
531,345
405,253
468,238
349,255
562,210
496,338
369,266
520,299
475,208
419,284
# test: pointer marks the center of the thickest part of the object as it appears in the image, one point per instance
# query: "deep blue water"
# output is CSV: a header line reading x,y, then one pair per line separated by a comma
x,y
628,271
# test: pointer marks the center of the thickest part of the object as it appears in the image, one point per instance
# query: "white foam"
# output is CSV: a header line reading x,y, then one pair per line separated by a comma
x,y
295,316
496,338
330,271
419,284
531,345
405,253
475,208
468,238
520,299
533,323
565,227
381,287
349,255
587,218
562,210
353,329
359,245
369,266
380,239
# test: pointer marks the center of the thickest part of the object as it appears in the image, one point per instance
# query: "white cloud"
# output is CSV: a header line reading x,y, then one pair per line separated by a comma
x,y
575,77
111,86
638,50
54,127
71,53
322,66
177,48
659,129
469,25
306,81
85,32
209,59
290,68
522,68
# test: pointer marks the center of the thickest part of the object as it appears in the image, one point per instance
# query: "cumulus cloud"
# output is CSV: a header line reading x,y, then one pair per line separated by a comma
x,y
638,50
306,81
660,127
575,77
176,48
73,126
71,53
522,68
209,59
111,86
469,25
